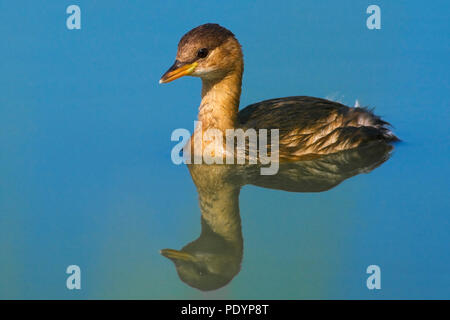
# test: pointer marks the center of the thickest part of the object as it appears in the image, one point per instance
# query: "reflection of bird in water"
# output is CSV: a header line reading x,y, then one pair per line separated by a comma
x,y
307,126
211,261
214,259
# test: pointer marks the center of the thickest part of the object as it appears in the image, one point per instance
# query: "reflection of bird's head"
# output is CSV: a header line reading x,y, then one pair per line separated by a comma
x,y
208,263
208,51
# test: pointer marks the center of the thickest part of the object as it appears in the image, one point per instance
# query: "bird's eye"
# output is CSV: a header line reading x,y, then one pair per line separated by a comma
x,y
202,53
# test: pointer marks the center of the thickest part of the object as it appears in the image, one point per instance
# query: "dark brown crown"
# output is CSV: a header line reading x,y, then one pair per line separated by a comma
x,y
211,35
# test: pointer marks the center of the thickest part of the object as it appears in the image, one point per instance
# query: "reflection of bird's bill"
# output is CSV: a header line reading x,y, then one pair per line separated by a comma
x,y
177,255
177,71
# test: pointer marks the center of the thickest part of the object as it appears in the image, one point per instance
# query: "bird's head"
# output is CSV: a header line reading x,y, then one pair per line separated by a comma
x,y
207,263
208,51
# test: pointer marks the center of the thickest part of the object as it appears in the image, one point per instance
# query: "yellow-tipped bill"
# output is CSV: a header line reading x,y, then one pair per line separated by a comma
x,y
178,70
177,255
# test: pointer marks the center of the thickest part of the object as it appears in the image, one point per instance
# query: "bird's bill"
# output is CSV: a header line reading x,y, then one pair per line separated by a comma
x,y
178,70
177,255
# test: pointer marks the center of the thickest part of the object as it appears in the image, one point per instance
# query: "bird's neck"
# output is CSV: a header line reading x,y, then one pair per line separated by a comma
x,y
218,199
220,101
220,210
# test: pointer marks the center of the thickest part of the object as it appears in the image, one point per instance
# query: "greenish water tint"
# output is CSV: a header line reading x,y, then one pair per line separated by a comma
x,y
85,170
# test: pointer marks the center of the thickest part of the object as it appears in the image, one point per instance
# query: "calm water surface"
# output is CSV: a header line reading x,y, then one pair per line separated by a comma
x,y
86,176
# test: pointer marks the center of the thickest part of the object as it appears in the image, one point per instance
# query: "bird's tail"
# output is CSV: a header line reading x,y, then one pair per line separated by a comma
x,y
370,125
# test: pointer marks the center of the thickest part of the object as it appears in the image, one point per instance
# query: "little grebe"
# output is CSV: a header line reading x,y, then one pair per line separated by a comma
x,y
307,126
